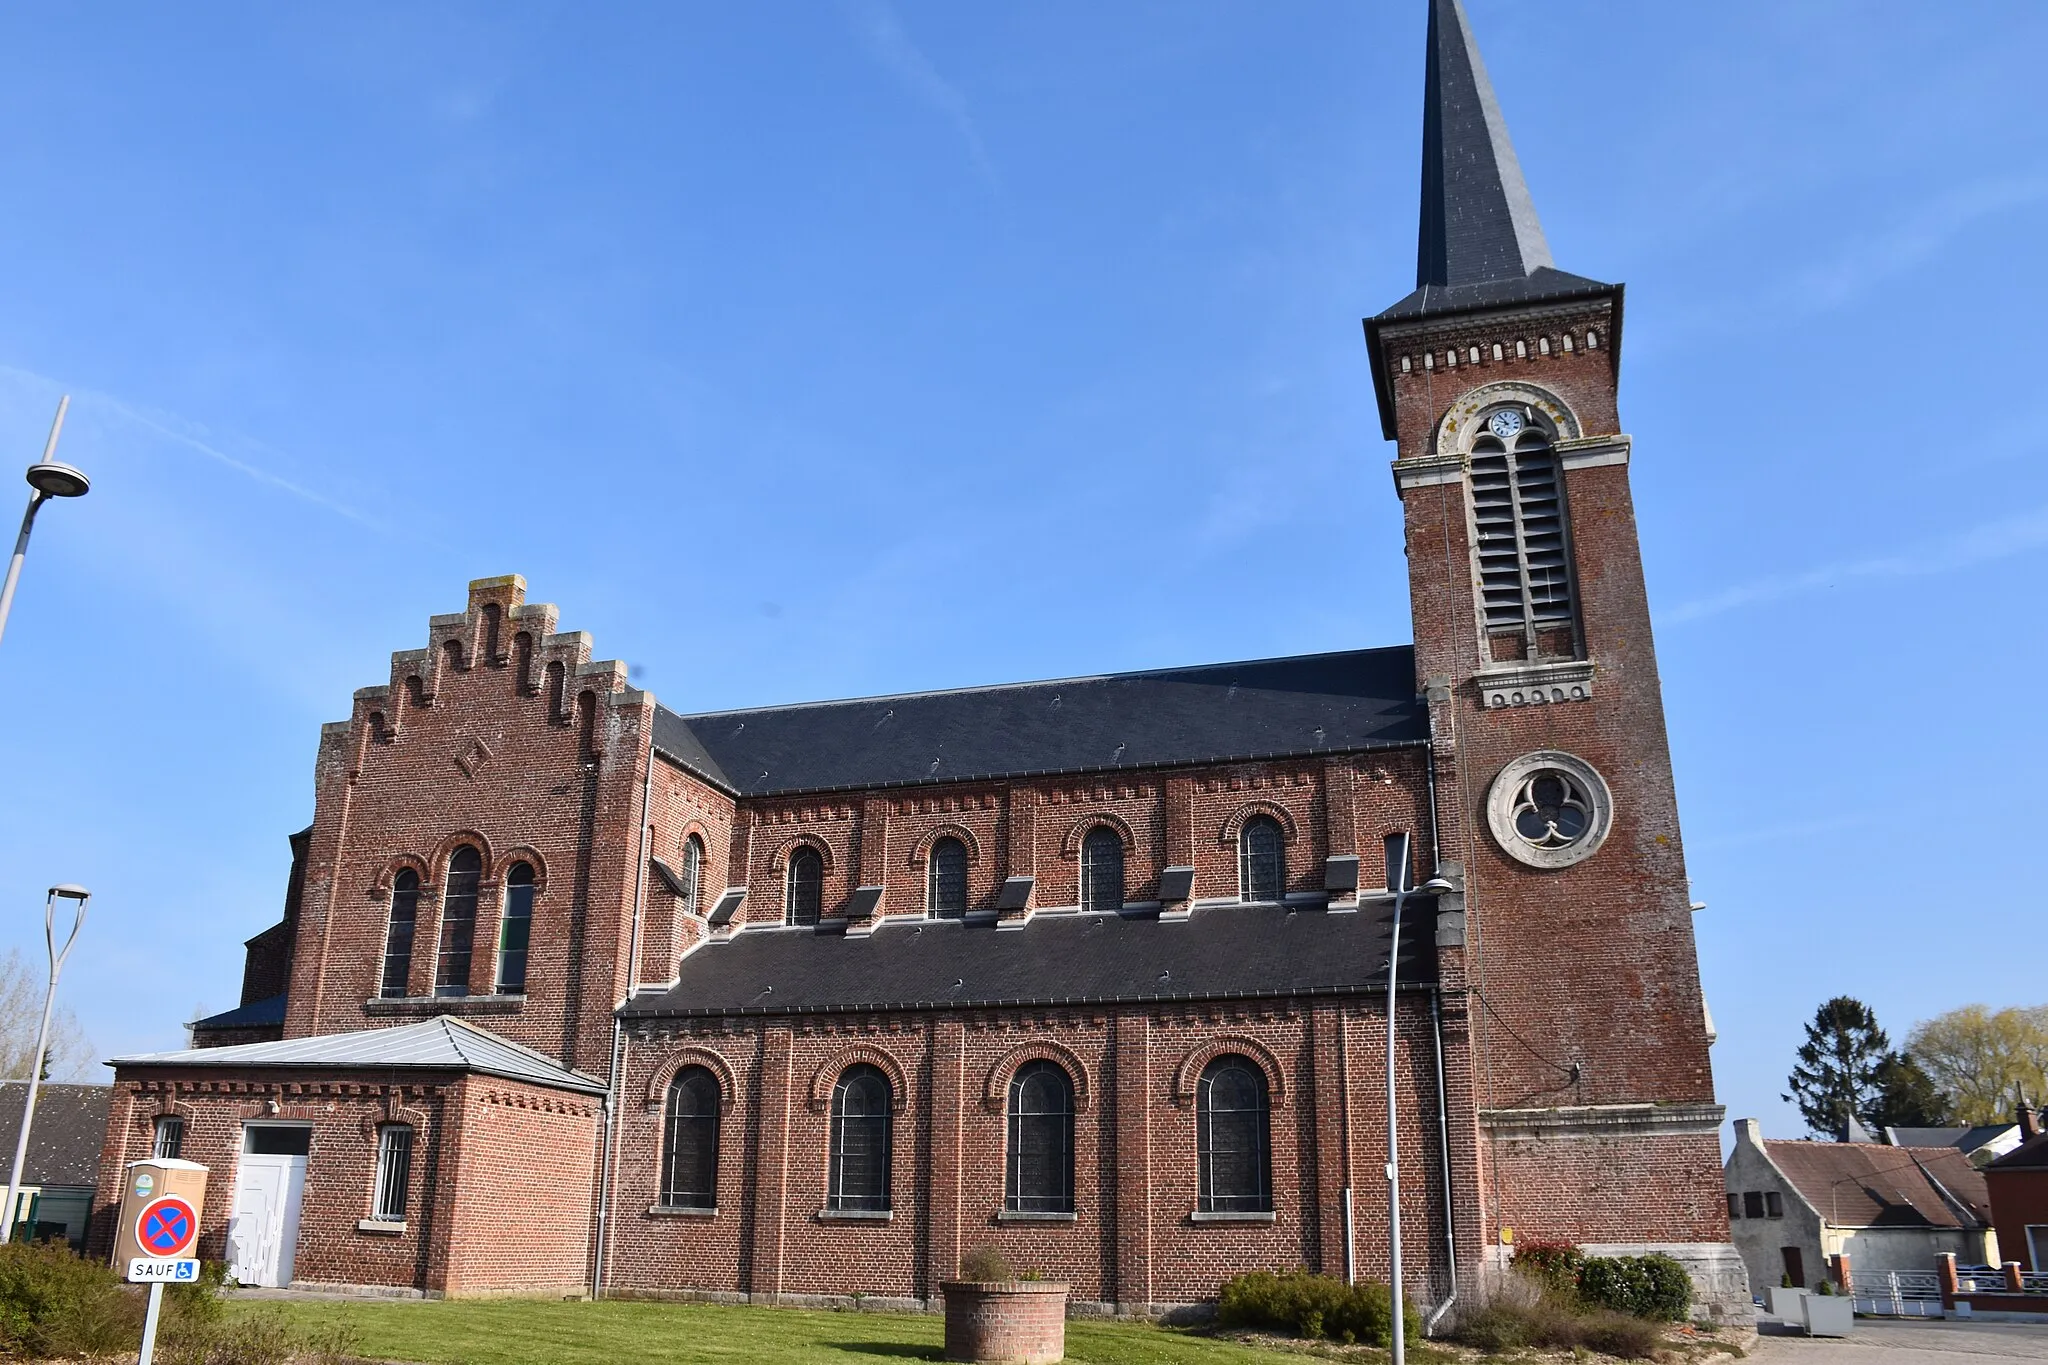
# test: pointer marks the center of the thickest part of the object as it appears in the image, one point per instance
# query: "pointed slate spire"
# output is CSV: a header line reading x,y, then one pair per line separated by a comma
x,y
1478,221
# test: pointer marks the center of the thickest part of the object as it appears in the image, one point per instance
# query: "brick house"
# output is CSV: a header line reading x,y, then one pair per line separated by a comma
x,y
2018,1188
809,1000
1793,1206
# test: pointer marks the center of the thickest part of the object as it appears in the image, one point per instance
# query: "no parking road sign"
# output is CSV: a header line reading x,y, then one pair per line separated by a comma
x,y
166,1227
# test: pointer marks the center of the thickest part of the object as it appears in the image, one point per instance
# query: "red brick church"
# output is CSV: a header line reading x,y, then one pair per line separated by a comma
x,y
805,1001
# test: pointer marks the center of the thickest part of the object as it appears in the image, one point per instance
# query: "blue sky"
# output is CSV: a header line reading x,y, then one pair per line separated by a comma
x,y
812,350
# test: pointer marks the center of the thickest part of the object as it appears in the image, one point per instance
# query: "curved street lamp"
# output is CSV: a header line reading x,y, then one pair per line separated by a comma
x,y
78,896
51,479
1437,885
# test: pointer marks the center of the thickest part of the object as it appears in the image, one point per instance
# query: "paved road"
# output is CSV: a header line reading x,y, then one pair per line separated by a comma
x,y
1929,1342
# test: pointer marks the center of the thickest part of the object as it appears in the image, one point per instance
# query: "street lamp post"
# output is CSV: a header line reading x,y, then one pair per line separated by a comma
x,y
1437,885
78,896
49,479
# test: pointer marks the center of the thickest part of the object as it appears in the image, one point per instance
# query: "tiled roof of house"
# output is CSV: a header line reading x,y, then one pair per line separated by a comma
x,y
1263,708
65,1140
1868,1185
439,1044
1225,952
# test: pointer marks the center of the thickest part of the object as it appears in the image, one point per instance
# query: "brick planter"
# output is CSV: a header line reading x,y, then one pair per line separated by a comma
x,y
1015,1322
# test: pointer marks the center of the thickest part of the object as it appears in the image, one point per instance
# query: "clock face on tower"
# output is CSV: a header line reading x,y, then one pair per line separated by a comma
x,y
1506,424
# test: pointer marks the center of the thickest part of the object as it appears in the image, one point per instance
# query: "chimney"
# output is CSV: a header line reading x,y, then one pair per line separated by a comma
x,y
2030,1123
1750,1131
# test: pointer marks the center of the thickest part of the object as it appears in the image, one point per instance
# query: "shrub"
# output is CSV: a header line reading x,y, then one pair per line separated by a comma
x,y
1653,1286
987,1265
1619,1334
1314,1306
56,1303
1554,1265
1553,1322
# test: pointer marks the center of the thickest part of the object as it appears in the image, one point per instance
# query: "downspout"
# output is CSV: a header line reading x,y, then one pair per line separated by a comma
x,y
608,1150
1443,1131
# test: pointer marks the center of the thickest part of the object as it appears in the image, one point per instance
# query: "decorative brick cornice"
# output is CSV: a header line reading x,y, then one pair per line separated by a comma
x,y
1534,684
1689,1119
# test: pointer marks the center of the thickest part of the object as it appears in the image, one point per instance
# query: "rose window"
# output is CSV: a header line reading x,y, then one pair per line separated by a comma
x,y
1549,809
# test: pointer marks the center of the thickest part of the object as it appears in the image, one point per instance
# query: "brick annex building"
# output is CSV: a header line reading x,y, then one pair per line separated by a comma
x,y
576,991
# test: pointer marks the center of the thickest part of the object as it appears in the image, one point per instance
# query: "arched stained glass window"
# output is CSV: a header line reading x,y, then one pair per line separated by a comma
x,y
405,914
1262,859
458,922
1102,869
1231,1137
693,875
806,893
1040,1177
861,1102
946,878
515,929
689,1158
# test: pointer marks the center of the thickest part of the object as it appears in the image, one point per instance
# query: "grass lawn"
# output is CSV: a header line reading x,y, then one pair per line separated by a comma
x,y
530,1332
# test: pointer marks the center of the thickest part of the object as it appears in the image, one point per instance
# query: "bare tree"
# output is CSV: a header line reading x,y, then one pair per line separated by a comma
x,y
1986,1062
69,1055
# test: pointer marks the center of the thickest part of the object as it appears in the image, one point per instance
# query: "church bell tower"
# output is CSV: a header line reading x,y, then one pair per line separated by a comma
x,y
1574,952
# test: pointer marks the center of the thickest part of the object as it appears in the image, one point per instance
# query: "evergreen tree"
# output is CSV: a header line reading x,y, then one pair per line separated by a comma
x,y
1839,1075
1907,1096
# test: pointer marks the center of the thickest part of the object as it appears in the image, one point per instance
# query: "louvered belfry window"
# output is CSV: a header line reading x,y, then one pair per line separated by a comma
x,y
1525,580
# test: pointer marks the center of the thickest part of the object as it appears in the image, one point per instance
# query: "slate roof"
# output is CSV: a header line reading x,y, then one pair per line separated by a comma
x,y
1263,708
1227,952
1964,1140
65,1140
1868,1185
1479,243
255,1014
439,1044
2031,1155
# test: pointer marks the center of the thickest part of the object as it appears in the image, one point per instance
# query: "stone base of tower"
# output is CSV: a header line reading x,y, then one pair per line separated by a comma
x,y
1619,1180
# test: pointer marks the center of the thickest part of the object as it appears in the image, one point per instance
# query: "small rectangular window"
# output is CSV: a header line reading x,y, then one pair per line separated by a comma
x,y
1734,1206
277,1139
394,1171
170,1138
1398,877
1752,1205
1774,1204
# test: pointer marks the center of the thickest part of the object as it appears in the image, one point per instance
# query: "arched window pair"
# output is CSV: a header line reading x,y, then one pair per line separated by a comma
x,y
454,955
1232,1138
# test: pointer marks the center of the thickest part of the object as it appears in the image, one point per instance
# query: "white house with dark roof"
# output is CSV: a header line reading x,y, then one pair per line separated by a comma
x,y
1792,1205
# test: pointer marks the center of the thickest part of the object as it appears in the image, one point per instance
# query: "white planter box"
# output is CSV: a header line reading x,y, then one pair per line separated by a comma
x,y
1784,1303
1829,1315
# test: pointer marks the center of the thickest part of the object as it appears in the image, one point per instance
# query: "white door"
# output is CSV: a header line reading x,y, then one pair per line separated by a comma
x,y
263,1229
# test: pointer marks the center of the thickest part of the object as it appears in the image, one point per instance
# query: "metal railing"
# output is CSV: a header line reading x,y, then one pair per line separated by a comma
x,y
1898,1294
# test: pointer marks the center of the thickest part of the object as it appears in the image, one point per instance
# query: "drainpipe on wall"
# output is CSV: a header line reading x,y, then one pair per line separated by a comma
x,y
608,1146
1443,1130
